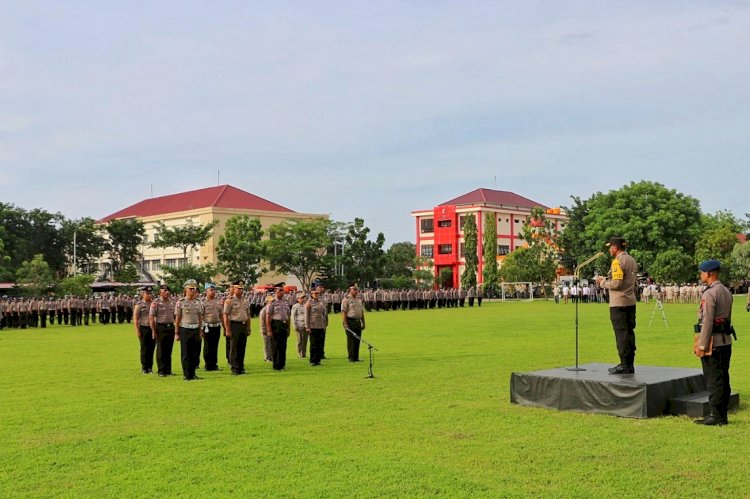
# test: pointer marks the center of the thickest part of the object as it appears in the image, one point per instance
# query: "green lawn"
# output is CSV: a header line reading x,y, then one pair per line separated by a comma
x,y
78,419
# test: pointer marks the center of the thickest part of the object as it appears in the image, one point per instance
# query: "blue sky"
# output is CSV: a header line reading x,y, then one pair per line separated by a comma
x,y
371,109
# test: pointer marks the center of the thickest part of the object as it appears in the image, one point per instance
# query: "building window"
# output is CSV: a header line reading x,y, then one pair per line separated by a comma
x,y
503,249
445,249
426,225
515,220
444,223
171,262
426,250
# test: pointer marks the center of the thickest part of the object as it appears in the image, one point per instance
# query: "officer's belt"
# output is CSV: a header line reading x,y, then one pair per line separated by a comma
x,y
238,322
165,324
213,324
189,326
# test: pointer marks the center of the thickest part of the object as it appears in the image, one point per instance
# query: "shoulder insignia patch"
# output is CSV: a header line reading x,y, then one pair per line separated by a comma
x,y
617,273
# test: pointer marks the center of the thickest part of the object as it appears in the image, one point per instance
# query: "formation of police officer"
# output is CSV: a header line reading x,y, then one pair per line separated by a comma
x,y
621,282
237,326
23,312
278,326
161,320
714,342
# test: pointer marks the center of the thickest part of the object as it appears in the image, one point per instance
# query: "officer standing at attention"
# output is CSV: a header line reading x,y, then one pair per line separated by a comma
x,y
714,346
621,283
278,326
316,321
188,312
298,318
143,330
211,328
353,313
237,326
161,319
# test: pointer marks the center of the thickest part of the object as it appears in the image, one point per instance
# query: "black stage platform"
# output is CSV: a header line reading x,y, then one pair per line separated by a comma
x,y
645,394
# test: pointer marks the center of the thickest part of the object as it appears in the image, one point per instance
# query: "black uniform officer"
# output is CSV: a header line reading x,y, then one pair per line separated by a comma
x,y
714,342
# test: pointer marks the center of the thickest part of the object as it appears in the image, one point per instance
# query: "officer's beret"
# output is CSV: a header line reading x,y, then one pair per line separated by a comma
x,y
239,283
190,283
164,286
709,265
617,241
210,285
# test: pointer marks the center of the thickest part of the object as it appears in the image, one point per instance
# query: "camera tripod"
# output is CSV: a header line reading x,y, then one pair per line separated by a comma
x,y
658,306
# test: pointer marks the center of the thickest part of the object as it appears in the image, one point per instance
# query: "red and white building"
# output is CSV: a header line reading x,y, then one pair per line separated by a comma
x,y
440,237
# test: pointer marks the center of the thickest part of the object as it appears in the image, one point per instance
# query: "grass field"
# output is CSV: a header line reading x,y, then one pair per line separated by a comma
x,y
79,420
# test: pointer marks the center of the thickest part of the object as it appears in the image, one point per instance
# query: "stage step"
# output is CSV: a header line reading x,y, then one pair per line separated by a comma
x,y
696,405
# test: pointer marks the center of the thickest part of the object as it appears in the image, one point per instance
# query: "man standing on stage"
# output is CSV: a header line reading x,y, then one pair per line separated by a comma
x,y
714,346
621,283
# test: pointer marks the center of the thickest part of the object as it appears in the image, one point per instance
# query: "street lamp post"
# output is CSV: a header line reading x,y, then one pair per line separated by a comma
x,y
75,259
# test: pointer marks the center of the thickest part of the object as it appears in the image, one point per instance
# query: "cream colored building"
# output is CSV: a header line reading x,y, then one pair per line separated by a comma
x,y
201,207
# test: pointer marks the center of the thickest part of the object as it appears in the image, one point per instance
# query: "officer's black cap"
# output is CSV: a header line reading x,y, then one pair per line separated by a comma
x,y
164,286
239,283
147,289
617,241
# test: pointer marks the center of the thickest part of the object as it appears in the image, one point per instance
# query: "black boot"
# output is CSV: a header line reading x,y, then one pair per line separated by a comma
x,y
713,419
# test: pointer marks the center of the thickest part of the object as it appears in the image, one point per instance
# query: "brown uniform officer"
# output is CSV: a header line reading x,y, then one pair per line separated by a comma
x,y
278,327
212,311
353,313
143,330
188,322
714,344
621,283
237,326
161,319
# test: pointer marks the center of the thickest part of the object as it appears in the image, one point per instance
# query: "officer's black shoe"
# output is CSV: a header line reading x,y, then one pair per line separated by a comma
x,y
144,371
620,369
710,420
163,375
197,377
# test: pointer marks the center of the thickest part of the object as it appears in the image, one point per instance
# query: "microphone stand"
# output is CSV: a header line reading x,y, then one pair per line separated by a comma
x,y
370,348
577,274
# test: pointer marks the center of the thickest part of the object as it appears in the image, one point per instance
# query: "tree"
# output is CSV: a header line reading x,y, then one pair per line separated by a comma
x,y
445,277
469,277
175,277
716,244
422,276
299,247
572,247
651,218
6,273
672,265
540,261
240,249
362,258
400,260
90,245
78,285
740,262
186,237
35,276
489,254
30,233
124,238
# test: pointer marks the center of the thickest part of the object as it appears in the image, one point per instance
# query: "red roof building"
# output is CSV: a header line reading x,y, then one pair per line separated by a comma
x,y
439,233
222,196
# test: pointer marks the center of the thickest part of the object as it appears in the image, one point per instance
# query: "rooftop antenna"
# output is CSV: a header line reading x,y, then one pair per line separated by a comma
x,y
495,179
218,177
152,190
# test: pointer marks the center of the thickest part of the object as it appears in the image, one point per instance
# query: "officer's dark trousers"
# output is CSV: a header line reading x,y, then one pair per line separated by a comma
x,y
164,345
93,316
716,373
623,323
479,301
59,317
316,345
278,343
352,343
44,319
148,344
211,348
86,317
65,316
190,351
237,345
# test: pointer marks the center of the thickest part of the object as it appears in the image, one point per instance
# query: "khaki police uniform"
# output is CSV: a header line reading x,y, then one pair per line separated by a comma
x,y
189,318
161,317
354,322
237,316
621,283
212,311
316,322
278,323
145,336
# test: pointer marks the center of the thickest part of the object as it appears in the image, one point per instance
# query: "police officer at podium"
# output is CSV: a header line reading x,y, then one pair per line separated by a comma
x,y
714,344
621,283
